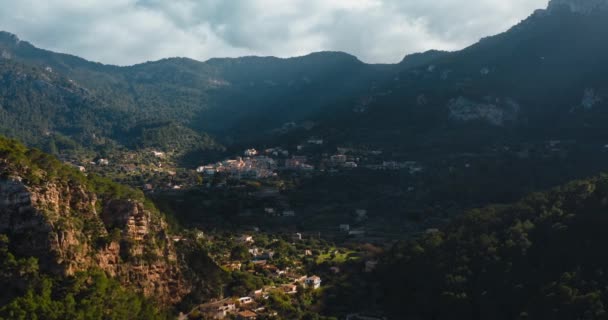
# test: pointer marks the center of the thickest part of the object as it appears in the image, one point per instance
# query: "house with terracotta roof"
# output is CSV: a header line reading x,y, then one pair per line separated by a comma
x,y
219,309
246,315
289,288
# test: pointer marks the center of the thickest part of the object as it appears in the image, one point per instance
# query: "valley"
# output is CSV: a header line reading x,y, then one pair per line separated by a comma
x,y
452,185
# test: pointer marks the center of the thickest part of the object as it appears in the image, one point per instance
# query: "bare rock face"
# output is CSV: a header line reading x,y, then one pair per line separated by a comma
x,y
5,55
494,111
579,6
65,227
590,99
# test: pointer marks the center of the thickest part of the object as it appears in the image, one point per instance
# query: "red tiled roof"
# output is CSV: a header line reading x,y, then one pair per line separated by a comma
x,y
247,314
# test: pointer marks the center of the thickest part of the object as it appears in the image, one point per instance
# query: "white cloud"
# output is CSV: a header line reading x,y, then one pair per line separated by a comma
x,y
131,31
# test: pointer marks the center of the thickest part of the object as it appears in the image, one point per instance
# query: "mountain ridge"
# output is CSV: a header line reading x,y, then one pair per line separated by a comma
x,y
11,39
579,6
230,98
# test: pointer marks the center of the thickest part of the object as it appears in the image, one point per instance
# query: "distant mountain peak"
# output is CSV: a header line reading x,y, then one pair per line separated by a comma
x,y
7,37
579,6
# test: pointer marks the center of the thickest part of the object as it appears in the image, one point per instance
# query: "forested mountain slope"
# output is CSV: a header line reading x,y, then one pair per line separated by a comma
x,y
540,258
545,77
229,97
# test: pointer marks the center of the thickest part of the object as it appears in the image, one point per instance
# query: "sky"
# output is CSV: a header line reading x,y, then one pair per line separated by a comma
x,y
125,32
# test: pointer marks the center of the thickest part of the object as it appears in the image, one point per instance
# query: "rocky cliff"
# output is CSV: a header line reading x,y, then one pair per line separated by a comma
x,y
70,228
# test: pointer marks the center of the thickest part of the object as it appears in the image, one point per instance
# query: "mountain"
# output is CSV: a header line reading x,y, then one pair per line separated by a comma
x,y
544,76
228,97
68,224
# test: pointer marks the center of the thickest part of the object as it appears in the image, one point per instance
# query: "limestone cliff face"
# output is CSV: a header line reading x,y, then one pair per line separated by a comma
x,y
494,111
69,230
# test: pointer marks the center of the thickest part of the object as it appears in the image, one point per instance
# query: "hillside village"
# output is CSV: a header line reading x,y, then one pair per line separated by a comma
x,y
274,273
272,161
153,170
273,188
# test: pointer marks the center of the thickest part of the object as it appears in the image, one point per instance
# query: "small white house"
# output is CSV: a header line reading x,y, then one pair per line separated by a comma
x,y
316,141
246,239
313,282
245,300
370,265
361,214
350,165
251,153
158,154
356,233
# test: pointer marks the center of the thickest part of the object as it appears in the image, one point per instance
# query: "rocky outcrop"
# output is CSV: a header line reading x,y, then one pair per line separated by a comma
x,y
579,6
590,99
69,230
494,111
5,54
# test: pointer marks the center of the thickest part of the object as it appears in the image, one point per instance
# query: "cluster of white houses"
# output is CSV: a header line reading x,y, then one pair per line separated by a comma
x,y
412,166
249,167
265,164
255,165
249,307
288,281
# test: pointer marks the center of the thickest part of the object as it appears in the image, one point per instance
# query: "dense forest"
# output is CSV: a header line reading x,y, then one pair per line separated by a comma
x,y
88,295
35,167
540,258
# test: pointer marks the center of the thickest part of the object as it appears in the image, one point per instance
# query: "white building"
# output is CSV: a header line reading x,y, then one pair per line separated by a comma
x,y
158,154
315,141
245,300
370,265
289,213
313,282
361,214
338,158
218,310
251,153
350,165
246,239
